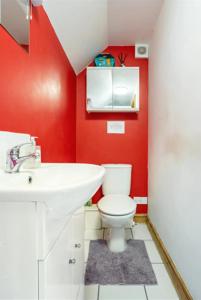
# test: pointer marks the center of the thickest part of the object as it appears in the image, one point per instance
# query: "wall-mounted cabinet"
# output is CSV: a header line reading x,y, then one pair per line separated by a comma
x,y
114,89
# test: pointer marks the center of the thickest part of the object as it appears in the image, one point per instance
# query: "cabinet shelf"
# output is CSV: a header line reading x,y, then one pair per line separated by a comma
x,y
115,109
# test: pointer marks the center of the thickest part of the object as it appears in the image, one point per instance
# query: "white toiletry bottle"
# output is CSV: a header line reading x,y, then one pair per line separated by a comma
x,y
37,160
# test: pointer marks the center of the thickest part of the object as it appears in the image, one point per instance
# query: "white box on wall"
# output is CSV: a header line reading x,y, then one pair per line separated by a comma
x,y
141,200
141,51
116,127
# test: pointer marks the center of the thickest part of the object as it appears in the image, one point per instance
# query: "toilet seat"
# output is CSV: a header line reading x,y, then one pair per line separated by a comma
x,y
117,205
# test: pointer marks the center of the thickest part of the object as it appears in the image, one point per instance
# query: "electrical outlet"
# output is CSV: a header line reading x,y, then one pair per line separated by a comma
x,y
140,200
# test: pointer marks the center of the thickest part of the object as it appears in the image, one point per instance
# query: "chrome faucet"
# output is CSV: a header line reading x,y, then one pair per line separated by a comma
x,y
14,160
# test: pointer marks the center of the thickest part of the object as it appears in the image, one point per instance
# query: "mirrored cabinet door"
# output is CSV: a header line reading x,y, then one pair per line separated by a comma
x,y
15,18
125,88
99,89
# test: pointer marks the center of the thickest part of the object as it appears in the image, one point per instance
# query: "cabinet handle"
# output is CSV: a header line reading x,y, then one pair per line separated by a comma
x,y
77,245
72,261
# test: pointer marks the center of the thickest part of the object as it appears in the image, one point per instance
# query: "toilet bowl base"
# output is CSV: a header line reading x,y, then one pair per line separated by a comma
x,y
117,242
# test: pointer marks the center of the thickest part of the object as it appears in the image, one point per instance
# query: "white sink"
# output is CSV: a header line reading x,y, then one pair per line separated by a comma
x,y
62,187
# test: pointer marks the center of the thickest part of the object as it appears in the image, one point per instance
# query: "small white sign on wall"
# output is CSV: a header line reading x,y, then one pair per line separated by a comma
x,y
116,127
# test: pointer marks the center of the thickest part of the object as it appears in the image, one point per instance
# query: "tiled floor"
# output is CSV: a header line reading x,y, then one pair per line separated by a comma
x,y
163,291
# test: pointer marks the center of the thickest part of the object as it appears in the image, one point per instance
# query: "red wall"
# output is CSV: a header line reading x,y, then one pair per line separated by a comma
x,y
38,90
94,145
38,96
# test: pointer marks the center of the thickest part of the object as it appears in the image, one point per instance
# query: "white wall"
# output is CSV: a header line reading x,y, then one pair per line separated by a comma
x,y
175,136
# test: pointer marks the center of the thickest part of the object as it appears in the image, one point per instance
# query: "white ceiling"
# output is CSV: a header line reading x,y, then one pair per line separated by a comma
x,y
86,27
131,21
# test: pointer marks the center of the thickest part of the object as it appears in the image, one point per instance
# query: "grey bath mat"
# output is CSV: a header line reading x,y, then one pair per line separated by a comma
x,y
129,267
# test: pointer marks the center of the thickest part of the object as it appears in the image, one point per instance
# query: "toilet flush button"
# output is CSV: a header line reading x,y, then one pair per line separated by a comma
x,y
116,127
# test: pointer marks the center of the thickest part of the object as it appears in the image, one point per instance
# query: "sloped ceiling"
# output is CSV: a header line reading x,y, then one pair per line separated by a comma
x,y
86,27
81,26
131,21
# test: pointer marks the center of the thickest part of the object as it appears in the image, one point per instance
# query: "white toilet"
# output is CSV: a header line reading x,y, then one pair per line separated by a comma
x,y
116,207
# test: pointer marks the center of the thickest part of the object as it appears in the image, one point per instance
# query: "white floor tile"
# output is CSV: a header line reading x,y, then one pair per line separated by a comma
x,y
122,292
153,253
91,292
128,233
165,289
86,250
141,232
91,234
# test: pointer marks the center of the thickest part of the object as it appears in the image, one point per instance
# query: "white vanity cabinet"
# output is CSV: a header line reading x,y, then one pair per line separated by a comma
x,y
113,89
41,256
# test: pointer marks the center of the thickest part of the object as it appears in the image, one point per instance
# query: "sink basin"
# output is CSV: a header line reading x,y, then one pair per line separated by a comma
x,y
62,187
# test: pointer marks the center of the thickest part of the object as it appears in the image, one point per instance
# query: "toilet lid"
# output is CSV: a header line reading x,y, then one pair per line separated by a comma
x,y
117,205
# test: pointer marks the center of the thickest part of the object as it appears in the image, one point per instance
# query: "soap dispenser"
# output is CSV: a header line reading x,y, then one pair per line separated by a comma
x,y
37,160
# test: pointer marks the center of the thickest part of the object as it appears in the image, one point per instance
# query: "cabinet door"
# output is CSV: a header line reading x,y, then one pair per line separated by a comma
x,y
78,245
99,89
18,251
125,87
56,272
